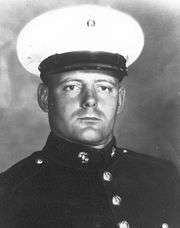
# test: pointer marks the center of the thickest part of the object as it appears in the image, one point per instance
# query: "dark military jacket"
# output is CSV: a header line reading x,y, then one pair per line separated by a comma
x,y
70,185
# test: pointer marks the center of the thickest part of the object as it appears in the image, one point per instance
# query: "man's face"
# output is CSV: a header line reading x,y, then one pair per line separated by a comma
x,y
82,106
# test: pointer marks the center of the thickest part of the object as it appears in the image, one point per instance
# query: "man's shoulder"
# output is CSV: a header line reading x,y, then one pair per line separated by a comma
x,y
142,158
22,170
149,165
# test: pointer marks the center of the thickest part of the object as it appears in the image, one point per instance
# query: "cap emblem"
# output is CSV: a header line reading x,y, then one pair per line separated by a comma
x,y
84,157
91,23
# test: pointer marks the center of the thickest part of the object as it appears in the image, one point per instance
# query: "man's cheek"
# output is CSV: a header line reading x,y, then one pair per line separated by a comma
x,y
109,110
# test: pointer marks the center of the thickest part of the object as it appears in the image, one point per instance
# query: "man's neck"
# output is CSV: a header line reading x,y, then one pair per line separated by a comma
x,y
101,145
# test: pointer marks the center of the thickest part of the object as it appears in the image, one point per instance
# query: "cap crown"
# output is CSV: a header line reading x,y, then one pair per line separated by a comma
x,y
79,28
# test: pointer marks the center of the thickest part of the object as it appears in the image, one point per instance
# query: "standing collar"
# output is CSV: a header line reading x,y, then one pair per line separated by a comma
x,y
77,155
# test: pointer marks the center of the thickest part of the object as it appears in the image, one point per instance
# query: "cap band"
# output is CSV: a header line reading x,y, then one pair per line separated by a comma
x,y
82,60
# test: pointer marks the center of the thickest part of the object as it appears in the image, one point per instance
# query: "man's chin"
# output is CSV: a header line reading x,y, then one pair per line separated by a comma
x,y
89,136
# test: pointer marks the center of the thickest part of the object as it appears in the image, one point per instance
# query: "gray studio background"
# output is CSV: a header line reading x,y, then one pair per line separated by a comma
x,y
150,121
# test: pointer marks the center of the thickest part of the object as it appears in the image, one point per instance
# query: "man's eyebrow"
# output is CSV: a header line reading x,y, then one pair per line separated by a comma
x,y
106,80
81,81
69,80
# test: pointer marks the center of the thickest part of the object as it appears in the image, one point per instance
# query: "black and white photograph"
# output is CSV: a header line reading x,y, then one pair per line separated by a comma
x,y
89,114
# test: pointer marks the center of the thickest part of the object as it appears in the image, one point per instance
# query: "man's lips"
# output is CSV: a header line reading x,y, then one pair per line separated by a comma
x,y
88,118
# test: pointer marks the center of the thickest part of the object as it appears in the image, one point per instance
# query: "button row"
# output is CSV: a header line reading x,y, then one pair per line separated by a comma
x,y
116,200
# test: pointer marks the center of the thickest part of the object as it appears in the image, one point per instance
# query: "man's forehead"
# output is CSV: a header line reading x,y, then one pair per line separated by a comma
x,y
84,76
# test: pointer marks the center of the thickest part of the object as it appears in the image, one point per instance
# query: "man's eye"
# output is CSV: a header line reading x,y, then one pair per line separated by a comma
x,y
105,89
70,87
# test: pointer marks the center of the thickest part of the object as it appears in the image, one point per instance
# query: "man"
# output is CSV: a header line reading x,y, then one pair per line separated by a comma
x,y
80,178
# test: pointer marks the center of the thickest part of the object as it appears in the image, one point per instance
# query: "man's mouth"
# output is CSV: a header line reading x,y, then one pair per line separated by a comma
x,y
88,118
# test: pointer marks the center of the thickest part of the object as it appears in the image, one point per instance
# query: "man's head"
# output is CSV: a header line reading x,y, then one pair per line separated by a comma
x,y
75,55
82,105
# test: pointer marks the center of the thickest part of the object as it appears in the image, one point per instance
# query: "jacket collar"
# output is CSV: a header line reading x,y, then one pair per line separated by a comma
x,y
80,156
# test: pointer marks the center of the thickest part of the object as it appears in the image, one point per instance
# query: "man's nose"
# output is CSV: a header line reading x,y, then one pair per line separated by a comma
x,y
89,98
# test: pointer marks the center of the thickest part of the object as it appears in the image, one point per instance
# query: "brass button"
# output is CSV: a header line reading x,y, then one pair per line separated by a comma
x,y
84,157
116,200
107,176
123,224
164,225
39,161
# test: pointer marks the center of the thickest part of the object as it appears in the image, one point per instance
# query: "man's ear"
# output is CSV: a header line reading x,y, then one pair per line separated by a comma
x,y
121,100
42,95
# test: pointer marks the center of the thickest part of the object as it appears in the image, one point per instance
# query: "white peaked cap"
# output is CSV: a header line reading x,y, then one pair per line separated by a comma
x,y
91,28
